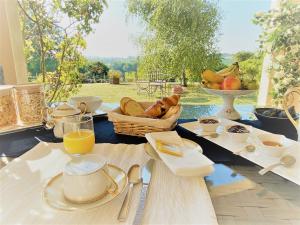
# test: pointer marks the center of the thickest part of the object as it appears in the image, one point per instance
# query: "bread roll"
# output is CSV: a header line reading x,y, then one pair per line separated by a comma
x,y
172,111
155,110
133,108
123,102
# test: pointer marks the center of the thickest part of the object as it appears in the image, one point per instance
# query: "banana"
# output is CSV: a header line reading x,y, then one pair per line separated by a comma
x,y
210,85
212,77
236,72
231,70
225,70
204,83
226,74
231,73
214,86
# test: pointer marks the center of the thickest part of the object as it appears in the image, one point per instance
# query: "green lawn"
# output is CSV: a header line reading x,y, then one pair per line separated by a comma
x,y
193,95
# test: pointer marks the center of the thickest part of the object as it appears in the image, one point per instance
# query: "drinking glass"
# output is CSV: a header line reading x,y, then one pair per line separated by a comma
x,y
78,134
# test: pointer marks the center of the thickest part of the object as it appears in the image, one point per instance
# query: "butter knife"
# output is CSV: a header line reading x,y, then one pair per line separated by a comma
x,y
146,177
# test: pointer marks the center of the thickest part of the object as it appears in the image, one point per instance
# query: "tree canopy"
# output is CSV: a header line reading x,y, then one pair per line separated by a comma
x,y
54,31
180,35
281,39
242,56
251,68
95,71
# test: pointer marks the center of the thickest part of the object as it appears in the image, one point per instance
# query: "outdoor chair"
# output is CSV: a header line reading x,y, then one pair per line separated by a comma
x,y
143,87
155,82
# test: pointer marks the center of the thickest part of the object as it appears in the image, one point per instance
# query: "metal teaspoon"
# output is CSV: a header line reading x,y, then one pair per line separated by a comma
x,y
134,177
248,148
285,161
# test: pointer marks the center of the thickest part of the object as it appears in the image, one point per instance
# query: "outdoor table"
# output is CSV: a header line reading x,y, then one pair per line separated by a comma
x,y
239,194
23,180
17,143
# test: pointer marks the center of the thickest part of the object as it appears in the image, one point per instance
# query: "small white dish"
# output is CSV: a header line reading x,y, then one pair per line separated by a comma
x,y
92,102
238,137
54,196
209,127
275,151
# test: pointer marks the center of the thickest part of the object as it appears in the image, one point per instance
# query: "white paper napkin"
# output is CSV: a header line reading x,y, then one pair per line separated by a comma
x,y
192,163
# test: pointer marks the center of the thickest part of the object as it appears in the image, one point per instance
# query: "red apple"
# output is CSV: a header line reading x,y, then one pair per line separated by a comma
x,y
231,83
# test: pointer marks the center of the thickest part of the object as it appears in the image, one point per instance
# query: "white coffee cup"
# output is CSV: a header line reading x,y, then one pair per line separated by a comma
x,y
86,179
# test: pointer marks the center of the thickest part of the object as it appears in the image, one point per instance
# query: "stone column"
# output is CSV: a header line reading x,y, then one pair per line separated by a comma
x,y
264,94
266,86
12,57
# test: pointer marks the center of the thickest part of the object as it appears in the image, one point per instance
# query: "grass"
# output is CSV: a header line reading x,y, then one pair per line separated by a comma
x,y
193,95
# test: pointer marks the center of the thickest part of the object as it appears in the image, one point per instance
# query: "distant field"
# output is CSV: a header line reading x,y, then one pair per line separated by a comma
x,y
227,59
194,95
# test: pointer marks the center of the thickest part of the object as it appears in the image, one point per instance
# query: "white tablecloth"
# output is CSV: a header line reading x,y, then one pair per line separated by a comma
x,y
171,199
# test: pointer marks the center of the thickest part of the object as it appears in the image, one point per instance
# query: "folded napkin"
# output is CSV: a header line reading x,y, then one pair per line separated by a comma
x,y
187,162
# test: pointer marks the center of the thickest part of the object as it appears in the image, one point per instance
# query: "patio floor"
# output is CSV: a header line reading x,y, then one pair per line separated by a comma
x,y
247,198
270,200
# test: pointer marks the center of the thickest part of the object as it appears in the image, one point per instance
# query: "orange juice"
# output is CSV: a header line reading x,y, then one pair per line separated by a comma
x,y
79,142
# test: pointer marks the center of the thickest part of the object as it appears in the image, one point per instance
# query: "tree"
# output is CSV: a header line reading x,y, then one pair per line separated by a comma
x,y
180,35
281,39
251,68
97,71
242,56
48,39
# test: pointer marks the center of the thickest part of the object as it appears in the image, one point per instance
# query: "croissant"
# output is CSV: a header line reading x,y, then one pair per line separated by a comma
x,y
170,101
155,110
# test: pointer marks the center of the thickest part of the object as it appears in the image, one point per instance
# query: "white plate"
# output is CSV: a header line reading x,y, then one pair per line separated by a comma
x,y
188,143
192,162
54,197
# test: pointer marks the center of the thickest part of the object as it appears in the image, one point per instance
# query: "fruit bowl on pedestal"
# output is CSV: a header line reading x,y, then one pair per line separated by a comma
x,y
228,111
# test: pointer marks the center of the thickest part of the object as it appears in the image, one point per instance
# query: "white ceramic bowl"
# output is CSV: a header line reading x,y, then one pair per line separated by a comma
x,y
92,102
238,137
275,151
209,127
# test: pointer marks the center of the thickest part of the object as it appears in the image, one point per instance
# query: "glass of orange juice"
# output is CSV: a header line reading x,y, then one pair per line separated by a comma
x,y
79,137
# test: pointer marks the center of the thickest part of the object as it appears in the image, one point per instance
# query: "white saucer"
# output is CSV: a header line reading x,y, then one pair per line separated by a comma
x,y
54,197
187,143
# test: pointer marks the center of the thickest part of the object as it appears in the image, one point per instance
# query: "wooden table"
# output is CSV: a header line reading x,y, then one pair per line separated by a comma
x,y
171,199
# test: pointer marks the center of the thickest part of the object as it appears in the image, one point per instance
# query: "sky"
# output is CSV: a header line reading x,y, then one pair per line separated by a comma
x,y
115,34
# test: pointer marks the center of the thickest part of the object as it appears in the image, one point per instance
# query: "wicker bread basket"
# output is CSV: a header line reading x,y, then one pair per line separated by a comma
x,y
139,126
